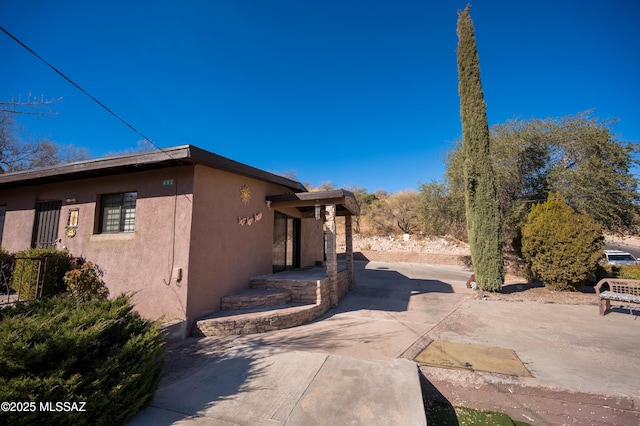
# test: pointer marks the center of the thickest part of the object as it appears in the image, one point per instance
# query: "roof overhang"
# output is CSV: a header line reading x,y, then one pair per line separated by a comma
x,y
345,201
130,163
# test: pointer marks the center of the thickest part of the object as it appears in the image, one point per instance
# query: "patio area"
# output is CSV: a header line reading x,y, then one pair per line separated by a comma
x,y
276,301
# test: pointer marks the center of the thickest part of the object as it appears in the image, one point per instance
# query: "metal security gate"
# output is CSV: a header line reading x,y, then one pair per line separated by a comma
x,y
45,227
22,278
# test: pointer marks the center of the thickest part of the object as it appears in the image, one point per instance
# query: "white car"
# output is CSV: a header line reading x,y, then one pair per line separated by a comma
x,y
618,257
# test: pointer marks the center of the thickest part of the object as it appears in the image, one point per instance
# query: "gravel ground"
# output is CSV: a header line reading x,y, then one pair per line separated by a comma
x,y
536,292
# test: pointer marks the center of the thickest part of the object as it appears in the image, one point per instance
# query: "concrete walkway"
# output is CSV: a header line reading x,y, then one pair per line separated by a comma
x,y
354,365
254,387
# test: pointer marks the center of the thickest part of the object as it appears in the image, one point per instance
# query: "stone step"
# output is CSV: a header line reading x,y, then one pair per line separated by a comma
x,y
302,291
228,323
255,298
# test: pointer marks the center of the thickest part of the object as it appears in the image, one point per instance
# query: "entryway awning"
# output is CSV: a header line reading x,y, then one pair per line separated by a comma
x,y
334,203
344,201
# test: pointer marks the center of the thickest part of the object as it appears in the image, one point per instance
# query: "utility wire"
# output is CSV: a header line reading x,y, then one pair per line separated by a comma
x,y
173,246
61,74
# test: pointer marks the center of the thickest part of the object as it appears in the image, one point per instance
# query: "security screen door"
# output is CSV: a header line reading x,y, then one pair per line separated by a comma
x,y
45,226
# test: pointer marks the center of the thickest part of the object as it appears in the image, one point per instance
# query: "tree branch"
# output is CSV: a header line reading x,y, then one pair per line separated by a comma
x,y
32,106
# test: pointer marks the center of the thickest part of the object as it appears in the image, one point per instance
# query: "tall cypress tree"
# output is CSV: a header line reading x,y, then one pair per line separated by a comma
x,y
481,203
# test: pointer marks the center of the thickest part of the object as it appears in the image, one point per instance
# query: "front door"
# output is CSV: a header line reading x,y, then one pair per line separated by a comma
x,y
286,242
45,227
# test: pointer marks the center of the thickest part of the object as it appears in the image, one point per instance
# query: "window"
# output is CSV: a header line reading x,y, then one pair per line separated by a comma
x,y
286,242
118,212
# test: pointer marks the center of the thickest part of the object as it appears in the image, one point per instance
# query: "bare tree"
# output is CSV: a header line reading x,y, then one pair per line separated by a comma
x,y
388,213
49,153
34,105
141,146
16,153
12,152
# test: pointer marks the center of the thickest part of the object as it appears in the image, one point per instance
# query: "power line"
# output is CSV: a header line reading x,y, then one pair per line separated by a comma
x,y
77,86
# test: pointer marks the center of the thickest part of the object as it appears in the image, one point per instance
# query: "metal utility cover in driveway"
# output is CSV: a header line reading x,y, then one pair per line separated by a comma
x,y
472,357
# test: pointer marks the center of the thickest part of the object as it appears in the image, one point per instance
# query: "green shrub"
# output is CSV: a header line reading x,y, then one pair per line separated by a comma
x,y
630,272
84,281
59,349
561,246
604,271
28,270
7,263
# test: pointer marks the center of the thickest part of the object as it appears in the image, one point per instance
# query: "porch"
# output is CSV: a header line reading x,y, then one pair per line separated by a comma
x,y
274,302
295,296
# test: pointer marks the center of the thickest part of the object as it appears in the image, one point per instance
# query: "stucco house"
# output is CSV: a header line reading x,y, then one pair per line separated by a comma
x,y
179,228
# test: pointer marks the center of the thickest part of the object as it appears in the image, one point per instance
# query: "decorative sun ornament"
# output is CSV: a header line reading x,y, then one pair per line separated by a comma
x,y
245,194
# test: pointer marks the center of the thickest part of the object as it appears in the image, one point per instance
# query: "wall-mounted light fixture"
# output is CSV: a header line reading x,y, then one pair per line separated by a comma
x,y
317,211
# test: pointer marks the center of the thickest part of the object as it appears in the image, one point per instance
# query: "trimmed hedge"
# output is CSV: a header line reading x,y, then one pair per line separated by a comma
x,y
61,350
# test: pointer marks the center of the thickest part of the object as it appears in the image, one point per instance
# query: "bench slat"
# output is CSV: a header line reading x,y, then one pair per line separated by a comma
x,y
620,297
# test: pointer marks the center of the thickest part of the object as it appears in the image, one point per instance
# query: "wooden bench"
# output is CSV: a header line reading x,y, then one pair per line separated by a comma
x,y
620,290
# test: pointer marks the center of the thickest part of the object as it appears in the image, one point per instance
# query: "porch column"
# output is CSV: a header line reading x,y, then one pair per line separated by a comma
x,y
332,257
348,230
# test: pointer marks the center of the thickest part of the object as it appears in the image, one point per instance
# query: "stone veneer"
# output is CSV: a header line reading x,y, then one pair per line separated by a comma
x,y
301,291
254,298
313,297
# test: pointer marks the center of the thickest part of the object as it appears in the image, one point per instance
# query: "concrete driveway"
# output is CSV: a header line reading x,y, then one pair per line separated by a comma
x,y
355,365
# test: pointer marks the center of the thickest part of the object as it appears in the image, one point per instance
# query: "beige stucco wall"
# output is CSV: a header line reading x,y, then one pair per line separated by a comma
x,y
225,255
18,222
141,262
191,224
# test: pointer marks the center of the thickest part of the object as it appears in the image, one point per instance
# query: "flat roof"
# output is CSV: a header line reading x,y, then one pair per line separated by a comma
x,y
137,162
345,201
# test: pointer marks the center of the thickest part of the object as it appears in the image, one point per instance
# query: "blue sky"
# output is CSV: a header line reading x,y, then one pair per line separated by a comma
x,y
360,93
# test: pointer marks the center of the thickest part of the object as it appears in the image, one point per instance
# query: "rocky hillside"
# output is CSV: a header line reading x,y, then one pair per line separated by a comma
x,y
405,243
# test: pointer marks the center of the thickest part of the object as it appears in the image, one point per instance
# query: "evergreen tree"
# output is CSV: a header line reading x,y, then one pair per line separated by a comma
x,y
561,246
481,203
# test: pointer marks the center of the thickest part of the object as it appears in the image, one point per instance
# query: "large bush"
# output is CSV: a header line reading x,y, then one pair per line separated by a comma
x,y
61,350
32,264
562,247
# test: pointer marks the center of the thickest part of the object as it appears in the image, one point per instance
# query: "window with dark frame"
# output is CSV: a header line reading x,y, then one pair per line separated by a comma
x,y
118,212
286,242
